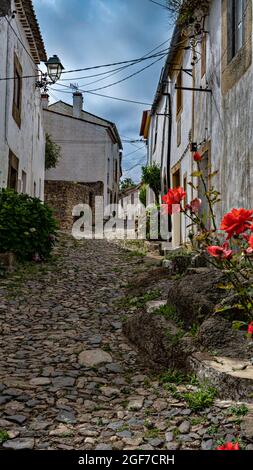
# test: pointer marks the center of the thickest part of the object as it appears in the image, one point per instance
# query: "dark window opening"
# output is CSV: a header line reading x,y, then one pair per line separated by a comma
x,y
179,92
13,172
17,91
236,26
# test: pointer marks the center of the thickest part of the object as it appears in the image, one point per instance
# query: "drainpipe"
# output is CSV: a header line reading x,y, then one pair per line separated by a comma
x,y
169,150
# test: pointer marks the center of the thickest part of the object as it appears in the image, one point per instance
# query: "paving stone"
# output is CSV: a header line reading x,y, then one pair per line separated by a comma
x,y
207,445
115,426
135,404
184,427
156,442
116,368
40,381
169,436
172,445
124,434
103,446
94,357
110,391
66,417
62,382
20,419
19,444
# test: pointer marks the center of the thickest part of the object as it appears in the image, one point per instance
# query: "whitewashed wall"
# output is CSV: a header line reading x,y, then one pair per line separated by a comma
x,y
28,141
229,122
87,151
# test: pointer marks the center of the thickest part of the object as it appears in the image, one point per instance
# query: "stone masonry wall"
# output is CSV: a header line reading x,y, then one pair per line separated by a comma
x,y
62,196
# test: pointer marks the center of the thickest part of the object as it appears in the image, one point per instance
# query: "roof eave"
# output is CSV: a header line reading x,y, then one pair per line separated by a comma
x,y
27,16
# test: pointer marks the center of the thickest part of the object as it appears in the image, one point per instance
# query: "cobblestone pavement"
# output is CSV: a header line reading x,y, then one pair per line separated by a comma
x,y
69,379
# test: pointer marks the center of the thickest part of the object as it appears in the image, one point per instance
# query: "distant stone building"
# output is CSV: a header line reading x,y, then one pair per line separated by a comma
x,y
90,162
22,139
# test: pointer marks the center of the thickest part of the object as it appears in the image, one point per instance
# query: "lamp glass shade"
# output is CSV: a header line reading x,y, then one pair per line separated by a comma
x,y
54,68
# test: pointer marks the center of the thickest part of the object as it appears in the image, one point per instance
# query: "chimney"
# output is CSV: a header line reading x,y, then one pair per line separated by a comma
x,y
77,104
44,100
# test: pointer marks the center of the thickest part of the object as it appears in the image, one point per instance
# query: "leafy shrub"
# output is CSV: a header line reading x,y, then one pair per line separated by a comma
x,y
4,436
240,410
52,153
143,194
27,226
152,177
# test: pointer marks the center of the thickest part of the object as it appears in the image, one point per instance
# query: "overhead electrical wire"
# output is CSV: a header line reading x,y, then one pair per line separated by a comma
x,y
161,5
143,158
118,69
133,61
106,96
134,151
121,80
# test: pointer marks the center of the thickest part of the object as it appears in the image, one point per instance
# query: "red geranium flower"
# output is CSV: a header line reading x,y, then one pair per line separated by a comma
x,y
221,252
236,221
173,198
197,157
250,328
229,446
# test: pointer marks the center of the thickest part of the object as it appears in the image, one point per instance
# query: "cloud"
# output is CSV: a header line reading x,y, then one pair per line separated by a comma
x,y
89,32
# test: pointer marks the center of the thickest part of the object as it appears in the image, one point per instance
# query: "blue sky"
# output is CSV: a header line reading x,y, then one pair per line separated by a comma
x,y
84,33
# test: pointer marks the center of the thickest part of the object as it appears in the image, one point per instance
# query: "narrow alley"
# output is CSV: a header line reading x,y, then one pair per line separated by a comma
x,y
70,379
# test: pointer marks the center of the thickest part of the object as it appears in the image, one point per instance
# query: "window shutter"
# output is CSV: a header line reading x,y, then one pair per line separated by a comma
x,y
230,30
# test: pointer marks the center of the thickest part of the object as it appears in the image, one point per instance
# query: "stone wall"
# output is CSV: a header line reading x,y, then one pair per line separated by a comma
x,y
62,196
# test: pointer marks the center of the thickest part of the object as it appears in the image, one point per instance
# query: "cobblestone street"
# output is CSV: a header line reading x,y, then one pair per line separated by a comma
x,y
69,379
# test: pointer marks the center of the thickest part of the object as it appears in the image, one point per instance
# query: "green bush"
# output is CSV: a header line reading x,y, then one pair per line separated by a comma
x,y
143,194
152,177
27,226
52,153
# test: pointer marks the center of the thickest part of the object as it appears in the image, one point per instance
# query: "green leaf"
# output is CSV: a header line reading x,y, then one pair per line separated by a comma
x,y
214,173
236,325
196,174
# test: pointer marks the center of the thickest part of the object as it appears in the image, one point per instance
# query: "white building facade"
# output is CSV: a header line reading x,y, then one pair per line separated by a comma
x,y
90,147
204,101
22,138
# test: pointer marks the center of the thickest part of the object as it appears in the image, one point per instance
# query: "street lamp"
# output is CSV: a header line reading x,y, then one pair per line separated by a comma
x,y
54,70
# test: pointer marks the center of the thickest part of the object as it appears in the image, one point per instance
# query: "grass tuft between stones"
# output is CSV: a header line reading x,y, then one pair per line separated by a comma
x,y
200,399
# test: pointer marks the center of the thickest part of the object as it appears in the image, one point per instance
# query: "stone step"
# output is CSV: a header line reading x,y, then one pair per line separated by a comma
x,y
233,378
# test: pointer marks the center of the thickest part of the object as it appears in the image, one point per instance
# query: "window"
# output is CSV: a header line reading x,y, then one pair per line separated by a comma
x,y
34,189
236,41
185,189
13,171
23,187
38,126
116,171
90,199
236,26
179,92
156,132
203,55
179,132
17,91
40,188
